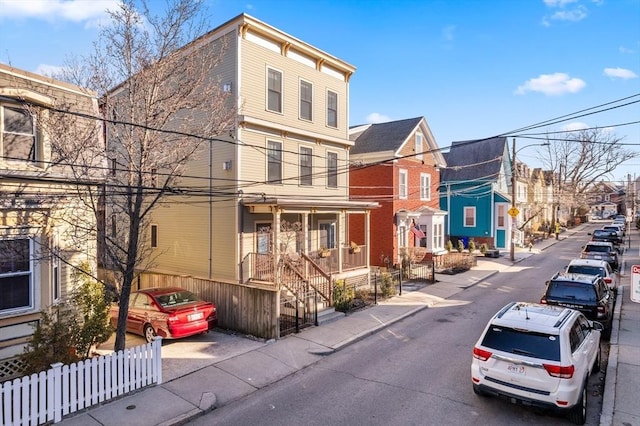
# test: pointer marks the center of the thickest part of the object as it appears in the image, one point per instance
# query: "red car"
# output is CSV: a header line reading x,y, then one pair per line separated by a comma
x,y
169,312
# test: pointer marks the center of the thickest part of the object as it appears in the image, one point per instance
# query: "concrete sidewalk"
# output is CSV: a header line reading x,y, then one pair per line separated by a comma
x,y
256,365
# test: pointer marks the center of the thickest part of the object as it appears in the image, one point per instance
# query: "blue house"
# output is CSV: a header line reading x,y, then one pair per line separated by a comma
x,y
474,189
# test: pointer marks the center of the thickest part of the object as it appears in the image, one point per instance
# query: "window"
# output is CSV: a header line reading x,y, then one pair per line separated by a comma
x,y
438,237
18,134
418,147
423,240
501,215
469,216
402,236
327,234
402,184
114,166
425,186
114,227
15,274
332,109
154,236
274,90
306,100
274,160
306,166
332,169
263,237
55,273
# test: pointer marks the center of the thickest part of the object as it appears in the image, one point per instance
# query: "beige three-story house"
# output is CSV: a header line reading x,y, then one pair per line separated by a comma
x,y
274,216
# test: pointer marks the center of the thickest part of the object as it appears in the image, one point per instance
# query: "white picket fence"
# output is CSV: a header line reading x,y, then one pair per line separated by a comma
x,y
65,389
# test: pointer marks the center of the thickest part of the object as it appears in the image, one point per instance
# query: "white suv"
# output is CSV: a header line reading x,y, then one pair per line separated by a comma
x,y
538,355
594,267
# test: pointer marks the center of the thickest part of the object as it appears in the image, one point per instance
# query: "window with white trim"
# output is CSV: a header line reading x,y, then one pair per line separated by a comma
x,y
402,236
332,169
402,184
327,235
274,162
425,186
274,90
438,236
18,136
501,216
306,100
154,236
418,147
306,166
332,109
469,217
16,281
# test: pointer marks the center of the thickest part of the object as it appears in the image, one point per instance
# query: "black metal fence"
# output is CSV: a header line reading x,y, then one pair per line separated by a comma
x,y
298,311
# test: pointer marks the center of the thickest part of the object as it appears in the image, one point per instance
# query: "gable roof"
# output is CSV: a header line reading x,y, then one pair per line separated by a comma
x,y
475,159
382,136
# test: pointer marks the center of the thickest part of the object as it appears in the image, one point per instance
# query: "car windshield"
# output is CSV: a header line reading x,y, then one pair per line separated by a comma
x,y
571,291
597,249
521,342
176,298
586,270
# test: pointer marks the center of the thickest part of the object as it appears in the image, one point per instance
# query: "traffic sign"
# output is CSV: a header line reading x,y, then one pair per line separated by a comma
x,y
513,212
635,283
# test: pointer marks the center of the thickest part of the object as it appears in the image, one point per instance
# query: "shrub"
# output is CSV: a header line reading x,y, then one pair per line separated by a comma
x,y
483,248
387,286
342,296
460,246
472,246
449,246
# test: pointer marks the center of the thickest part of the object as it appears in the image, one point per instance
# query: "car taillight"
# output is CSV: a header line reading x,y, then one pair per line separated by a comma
x,y
561,371
607,280
543,301
173,318
481,354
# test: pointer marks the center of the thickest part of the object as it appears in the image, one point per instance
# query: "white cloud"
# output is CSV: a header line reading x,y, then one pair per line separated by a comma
x,y
574,127
573,15
376,117
619,73
49,70
558,3
448,32
552,84
626,50
51,10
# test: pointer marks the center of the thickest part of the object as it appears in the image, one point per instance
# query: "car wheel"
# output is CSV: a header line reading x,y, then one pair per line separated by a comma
x,y
149,333
578,413
477,391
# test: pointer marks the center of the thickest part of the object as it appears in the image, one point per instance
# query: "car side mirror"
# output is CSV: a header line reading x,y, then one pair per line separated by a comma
x,y
588,233
595,325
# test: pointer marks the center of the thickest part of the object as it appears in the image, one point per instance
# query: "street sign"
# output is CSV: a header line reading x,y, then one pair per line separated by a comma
x,y
635,283
513,212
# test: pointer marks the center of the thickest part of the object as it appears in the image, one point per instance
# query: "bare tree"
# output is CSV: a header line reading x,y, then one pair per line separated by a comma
x,y
166,108
582,158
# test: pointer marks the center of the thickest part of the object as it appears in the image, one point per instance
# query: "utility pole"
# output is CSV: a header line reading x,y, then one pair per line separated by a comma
x,y
513,202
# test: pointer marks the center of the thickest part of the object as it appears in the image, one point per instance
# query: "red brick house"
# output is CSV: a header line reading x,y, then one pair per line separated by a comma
x,y
396,164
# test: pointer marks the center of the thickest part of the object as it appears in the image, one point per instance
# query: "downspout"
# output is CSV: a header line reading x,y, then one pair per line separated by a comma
x,y
210,208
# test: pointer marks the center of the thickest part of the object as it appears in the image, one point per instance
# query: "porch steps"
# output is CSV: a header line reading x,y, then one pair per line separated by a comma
x,y
328,315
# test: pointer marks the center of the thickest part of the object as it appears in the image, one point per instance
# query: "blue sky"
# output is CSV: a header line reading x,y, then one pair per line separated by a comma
x,y
472,68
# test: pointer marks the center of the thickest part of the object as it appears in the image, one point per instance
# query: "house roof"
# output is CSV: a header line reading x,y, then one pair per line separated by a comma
x,y
382,136
479,159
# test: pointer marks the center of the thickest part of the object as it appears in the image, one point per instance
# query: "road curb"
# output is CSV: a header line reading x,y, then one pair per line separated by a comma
x,y
609,393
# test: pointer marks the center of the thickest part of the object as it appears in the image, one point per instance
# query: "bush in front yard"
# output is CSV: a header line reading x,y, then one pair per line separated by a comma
x,y
387,286
342,296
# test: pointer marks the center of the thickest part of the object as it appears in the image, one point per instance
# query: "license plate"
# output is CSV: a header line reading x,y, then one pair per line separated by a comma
x,y
196,316
515,369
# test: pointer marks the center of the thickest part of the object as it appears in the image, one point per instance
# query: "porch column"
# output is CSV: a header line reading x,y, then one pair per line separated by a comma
x,y
276,256
367,238
305,232
341,234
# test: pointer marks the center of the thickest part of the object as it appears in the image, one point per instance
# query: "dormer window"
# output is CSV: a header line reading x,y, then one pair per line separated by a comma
x,y
18,134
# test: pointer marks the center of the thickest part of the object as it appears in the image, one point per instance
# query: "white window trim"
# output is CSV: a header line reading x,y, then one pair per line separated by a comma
x,y
464,217
300,165
300,100
281,90
56,274
32,295
153,244
402,237
327,109
425,190
418,146
402,173
337,169
281,180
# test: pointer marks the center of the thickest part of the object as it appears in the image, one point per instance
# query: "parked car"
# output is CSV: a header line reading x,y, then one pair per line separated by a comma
x,y
594,267
538,355
601,250
617,229
171,313
588,294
